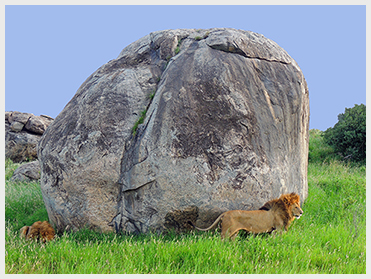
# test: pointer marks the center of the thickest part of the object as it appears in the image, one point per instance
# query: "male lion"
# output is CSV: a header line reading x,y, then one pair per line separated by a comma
x,y
39,230
276,214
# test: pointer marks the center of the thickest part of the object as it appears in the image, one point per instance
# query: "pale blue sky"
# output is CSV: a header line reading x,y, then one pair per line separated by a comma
x,y
51,50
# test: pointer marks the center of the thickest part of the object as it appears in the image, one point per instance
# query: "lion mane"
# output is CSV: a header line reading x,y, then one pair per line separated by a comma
x,y
274,215
39,231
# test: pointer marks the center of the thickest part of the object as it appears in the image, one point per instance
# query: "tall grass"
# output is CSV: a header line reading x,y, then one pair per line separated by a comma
x,y
23,201
330,237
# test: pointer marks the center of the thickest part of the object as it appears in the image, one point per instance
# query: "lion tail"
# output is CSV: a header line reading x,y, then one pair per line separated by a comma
x,y
211,227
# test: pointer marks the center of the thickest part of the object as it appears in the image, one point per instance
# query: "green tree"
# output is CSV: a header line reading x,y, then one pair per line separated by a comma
x,y
348,136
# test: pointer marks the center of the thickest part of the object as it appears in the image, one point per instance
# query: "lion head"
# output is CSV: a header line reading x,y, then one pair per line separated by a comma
x,y
287,205
292,202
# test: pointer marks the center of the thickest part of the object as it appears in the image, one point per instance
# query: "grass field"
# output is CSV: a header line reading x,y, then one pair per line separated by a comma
x,y
330,237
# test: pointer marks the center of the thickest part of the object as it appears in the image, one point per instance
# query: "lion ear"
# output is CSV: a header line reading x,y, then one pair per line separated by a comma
x,y
295,197
286,200
24,231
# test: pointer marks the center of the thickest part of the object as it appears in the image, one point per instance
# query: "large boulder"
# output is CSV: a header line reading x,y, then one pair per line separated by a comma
x,y
183,125
22,133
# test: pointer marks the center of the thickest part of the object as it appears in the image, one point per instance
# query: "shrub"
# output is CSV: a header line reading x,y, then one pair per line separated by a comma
x,y
319,150
348,136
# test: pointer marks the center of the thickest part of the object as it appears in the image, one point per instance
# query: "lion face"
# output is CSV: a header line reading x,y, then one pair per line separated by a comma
x,y
296,210
292,202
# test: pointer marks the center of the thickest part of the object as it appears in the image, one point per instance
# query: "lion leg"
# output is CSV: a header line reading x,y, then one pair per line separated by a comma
x,y
226,233
277,231
232,232
234,235
223,233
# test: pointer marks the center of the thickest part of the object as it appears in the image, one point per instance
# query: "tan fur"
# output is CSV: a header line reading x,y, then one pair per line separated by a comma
x,y
39,231
276,214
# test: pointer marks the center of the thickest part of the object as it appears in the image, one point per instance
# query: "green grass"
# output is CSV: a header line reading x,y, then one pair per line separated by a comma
x,y
10,167
330,237
152,94
139,121
177,50
23,201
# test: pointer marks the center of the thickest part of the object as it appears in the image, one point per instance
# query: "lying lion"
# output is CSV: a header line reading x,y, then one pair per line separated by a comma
x,y
276,214
39,231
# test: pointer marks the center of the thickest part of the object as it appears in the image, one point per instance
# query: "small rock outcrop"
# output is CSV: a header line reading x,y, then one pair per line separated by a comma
x,y
27,172
22,133
183,125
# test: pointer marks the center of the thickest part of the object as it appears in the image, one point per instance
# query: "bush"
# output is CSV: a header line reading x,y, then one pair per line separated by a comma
x,y
319,150
348,136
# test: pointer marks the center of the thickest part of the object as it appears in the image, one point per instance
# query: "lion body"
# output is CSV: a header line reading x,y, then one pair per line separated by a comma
x,y
274,215
39,230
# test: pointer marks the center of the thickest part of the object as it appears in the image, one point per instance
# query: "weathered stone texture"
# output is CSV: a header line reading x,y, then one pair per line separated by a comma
x,y
22,133
27,172
226,129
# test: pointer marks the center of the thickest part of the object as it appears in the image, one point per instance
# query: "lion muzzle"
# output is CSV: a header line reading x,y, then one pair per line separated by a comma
x,y
297,216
